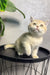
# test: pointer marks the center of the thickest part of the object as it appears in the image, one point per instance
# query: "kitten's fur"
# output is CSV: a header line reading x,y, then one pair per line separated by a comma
x,y
29,42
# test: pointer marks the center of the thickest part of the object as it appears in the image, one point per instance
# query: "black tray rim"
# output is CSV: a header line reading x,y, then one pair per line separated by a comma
x,y
24,60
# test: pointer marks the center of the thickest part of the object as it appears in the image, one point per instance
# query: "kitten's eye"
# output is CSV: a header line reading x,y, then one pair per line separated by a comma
x,y
34,23
41,25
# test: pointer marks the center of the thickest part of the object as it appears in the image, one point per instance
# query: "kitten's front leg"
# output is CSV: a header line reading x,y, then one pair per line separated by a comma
x,y
27,48
34,53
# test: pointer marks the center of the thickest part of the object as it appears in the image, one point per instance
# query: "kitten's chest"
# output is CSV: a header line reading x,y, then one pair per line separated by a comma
x,y
35,41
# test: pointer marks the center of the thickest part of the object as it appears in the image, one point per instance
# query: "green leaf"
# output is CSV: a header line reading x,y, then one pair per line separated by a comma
x,y
2,27
7,5
2,33
3,4
11,8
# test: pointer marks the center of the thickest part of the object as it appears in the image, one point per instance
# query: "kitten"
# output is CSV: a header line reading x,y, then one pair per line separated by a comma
x,y
29,42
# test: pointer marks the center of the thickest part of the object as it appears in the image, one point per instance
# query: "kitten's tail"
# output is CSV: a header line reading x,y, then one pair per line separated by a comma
x,y
9,46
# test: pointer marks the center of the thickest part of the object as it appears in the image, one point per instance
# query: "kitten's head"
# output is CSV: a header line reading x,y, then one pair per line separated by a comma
x,y
37,27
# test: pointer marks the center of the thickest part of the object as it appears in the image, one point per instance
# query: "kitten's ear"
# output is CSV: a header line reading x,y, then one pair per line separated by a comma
x,y
31,19
46,23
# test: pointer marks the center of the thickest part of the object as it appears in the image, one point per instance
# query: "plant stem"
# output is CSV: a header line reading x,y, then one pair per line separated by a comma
x,y
21,12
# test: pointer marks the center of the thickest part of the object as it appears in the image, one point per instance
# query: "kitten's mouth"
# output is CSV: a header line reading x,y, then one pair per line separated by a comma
x,y
36,30
33,30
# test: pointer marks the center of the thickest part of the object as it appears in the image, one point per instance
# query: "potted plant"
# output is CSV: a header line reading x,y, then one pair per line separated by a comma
x,y
7,5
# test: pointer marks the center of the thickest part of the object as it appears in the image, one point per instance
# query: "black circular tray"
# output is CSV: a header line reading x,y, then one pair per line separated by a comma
x,y
11,55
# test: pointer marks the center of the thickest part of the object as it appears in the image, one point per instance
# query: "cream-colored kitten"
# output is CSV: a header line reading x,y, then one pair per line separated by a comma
x,y
29,42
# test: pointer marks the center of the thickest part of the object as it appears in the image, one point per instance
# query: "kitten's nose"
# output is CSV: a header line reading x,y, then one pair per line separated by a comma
x,y
37,26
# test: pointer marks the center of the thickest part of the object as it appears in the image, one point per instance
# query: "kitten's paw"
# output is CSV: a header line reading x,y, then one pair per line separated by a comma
x,y
5,47
20,53
35,56
28,53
